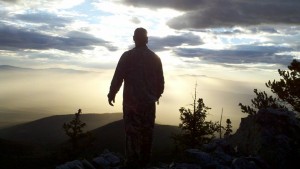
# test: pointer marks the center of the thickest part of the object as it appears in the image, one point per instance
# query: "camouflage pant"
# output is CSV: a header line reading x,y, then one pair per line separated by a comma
x,y
139,123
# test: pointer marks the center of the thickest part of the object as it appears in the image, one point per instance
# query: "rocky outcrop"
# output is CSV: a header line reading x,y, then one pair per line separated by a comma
x,y
271,134
106,160
220,155
215,155
266,140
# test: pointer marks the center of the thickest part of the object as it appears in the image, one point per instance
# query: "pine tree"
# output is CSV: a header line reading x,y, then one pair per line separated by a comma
x,y
288,88
73,129
262,100
195,130
228,129
286,91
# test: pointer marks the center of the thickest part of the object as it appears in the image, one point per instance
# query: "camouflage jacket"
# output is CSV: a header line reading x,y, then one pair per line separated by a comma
x,y
142,73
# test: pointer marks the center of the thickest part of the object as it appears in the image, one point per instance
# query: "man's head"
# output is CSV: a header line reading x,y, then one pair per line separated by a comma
x,y
140,37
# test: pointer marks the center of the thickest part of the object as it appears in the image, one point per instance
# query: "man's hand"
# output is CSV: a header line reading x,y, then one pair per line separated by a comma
x,y
111,99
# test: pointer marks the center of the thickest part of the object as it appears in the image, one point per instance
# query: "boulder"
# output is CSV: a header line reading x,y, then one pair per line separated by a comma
x,y
76,164
272,135
107,160
184,166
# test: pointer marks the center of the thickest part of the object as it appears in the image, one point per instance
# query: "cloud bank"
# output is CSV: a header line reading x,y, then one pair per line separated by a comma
x,y
14,38
172,41
215,31
243,54
219,13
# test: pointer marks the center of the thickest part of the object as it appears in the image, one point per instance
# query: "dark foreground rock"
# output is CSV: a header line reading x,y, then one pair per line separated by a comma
x,y
272,135
107,160
213,156
267,140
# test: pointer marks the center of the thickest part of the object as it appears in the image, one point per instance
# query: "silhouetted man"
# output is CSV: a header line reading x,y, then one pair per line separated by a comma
x,y
142,73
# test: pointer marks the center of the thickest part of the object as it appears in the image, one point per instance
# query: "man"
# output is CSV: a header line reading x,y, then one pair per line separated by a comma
x,y
142,73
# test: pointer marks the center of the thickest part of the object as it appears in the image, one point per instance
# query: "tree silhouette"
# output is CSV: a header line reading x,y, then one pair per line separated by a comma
x,y
288,88
195,131
286,91
228,129
73,129
262,100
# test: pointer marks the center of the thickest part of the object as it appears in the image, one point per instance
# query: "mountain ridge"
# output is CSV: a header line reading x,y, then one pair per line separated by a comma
x,y
8,68
33,142
48,130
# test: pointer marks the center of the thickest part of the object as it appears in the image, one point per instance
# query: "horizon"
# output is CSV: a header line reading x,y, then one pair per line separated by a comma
x,y
227,48
71,90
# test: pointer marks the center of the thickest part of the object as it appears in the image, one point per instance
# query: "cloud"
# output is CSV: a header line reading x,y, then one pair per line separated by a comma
x,y
175,4
44,4
13,38
264,29
220,13
226,32
162,43
10,1
43,18
135,20
239,13
242,54
253,30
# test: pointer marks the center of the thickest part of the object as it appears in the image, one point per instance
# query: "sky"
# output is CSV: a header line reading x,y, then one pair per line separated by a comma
x,y
227,47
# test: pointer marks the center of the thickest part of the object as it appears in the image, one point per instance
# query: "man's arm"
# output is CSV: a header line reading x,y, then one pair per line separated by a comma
x,y
117,80
160,80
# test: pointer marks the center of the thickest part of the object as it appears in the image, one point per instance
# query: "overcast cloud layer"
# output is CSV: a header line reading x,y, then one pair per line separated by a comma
x,y
229,13
13,38
232,32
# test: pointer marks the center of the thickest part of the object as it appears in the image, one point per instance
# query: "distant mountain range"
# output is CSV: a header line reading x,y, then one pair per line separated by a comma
x,y
38,144
49,131
107,130
9,68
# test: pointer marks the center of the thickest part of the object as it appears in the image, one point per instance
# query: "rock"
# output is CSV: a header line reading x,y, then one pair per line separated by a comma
x,y
219,145
272,135
243,163
76,164
222,157
210,147
87,164
100,161
106,160
185,166
200,157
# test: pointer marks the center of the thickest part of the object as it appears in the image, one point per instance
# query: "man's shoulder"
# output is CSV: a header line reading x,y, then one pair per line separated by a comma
x,y
149,52
138,51
127,52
